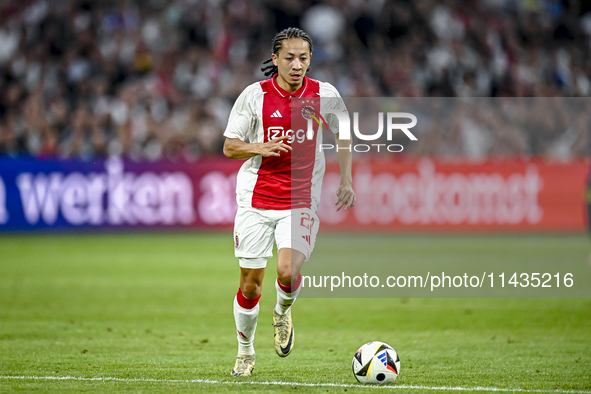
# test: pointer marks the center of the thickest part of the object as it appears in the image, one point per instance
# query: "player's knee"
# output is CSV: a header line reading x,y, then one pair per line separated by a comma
x,y
284,275
251,290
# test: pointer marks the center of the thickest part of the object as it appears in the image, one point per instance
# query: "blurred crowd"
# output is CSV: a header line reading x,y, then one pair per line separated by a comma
x,y
154,79
553,127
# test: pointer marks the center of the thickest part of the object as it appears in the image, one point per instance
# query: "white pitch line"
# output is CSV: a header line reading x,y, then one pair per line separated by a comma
x,y
281,383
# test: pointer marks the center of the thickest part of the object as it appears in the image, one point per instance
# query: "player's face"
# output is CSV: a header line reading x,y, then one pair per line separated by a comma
x,y
292,61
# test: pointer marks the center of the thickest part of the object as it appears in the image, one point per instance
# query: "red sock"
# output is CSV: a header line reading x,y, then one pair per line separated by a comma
x,y
245,302
295,286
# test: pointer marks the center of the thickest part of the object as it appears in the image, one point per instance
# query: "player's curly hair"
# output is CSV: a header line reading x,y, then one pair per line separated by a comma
x,y
286,34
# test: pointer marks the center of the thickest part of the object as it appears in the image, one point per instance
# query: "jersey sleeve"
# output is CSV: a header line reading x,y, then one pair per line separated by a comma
x,y
242,117
334,102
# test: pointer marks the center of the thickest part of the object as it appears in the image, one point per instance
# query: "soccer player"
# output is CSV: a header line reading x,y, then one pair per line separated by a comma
x,y
260,130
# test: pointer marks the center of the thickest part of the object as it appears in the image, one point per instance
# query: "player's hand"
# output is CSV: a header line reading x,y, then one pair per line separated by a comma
x,y
346,197
274,147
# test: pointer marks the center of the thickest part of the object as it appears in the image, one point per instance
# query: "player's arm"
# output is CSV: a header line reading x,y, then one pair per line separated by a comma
x,y
346,197
235,148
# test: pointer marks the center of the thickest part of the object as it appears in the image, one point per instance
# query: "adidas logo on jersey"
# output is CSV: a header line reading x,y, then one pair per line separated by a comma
x,y
277,114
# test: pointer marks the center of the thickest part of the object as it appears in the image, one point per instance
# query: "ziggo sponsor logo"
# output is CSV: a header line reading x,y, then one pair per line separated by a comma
x,y
278,131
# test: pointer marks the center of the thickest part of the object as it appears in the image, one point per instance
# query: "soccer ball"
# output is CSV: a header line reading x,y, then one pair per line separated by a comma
x,y
376,363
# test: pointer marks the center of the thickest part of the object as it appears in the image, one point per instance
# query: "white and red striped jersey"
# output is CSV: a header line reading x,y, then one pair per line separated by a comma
x,y
262,112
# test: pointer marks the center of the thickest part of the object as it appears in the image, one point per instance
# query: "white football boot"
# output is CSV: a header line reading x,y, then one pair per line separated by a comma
x,y
284,335
244,365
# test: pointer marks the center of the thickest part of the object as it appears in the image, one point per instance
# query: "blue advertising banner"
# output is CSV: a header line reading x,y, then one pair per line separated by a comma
x,y
113,193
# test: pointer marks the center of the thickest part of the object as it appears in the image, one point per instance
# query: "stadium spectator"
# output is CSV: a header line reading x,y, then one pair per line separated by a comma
x,y
156,79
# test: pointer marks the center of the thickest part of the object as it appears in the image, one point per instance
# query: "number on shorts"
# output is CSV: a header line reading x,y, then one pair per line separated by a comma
x,y
307,221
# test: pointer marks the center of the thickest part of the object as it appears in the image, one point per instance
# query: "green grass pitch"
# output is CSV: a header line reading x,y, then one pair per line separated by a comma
x,y
154,311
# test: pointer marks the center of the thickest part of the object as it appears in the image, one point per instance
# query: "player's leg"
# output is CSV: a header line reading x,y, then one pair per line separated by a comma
x,y
253,241
246,313
296,237
246,308
289,264
295,244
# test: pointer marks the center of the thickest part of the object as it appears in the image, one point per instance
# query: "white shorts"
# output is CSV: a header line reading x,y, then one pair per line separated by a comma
x,y
256,229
